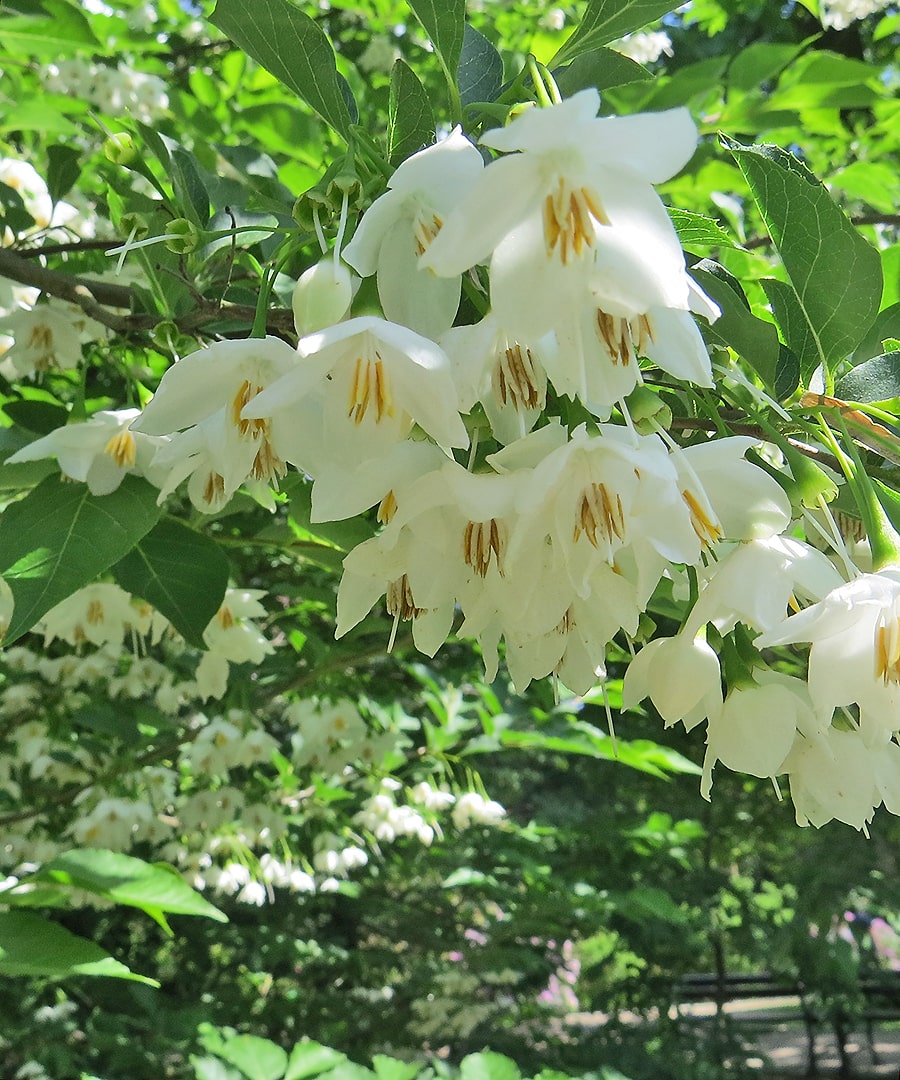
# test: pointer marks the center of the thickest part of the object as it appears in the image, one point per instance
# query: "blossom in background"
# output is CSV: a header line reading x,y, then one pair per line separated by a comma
x,y
839,14
644,47
232,637
47,337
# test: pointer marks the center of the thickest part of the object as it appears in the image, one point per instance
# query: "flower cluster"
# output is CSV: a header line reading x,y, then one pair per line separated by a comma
x,y
500,422
116,91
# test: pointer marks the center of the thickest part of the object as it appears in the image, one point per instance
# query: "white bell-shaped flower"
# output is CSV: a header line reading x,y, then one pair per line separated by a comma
x,y
400,226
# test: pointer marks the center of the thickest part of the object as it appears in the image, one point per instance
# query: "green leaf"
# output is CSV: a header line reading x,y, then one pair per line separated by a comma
x,y
189,187
389,1068
760,62
180,572
210,1068
647,901
877,379
834,273
791,320
62,170
258,1059
787,373
697,229
410,117
488,1066
602,68
156,890
38,416
60,537
607,20
737,327
63,32
480,71
36,947
444,22
309,1058
292,47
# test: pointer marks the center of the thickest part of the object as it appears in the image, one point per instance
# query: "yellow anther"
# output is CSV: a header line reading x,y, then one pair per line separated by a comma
x,y
600,513
122,448
707,530
370,387
481,541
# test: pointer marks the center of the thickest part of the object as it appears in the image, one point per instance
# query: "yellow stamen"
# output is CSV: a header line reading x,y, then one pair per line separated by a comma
x,y
122,448
225,617
570,217
600,511
254,428
398,600
614,334
481,540
95,613
887,649
425,229
214,488
386,508
370,386
706,529
515,379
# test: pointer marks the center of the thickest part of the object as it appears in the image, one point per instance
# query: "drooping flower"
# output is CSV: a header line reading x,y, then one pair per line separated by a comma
x,y
399,227
100,452
854,633
757,725
211,387
361,385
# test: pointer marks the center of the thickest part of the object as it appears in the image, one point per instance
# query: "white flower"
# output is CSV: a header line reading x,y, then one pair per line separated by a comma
x,y
322,296
358,389
210,388
855,648
474,809
399,227
834,776
757,725
574,209
99,452
644,47
508,377
97,613
47,337
680,675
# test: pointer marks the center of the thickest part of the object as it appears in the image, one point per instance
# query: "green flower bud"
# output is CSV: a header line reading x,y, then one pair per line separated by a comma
x,y
648,410
120,149
184,236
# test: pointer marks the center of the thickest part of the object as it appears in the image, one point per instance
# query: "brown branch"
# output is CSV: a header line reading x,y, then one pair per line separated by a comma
x,y
72,245
96,297
861,219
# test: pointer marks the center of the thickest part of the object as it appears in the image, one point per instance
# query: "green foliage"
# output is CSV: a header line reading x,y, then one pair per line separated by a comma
x,y
287,42
602,882
60,537
834,274
180,572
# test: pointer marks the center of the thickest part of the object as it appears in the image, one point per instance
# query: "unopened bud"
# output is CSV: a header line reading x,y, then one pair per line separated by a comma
x,y
120,149
647,410
322,296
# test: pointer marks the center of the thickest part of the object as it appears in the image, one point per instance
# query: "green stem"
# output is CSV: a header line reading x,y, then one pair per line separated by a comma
x,y
883,539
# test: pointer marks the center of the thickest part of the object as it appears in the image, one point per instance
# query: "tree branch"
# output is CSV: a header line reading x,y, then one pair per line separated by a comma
x,y
96,297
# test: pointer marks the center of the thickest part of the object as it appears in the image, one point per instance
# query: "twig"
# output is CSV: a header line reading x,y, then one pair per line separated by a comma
x,y
96,297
